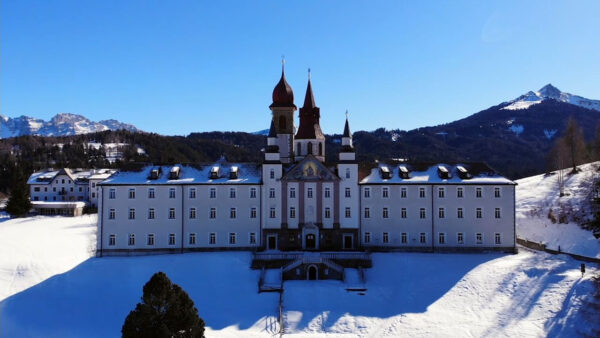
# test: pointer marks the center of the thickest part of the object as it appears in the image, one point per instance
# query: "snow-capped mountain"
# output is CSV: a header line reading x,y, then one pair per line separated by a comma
x,y
62,124
551,92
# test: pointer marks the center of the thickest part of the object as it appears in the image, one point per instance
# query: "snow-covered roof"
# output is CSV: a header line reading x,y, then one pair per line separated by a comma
x,y
246,174
79,176
57,205
479,173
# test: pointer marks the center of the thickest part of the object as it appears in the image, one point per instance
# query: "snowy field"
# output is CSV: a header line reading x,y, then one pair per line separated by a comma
x,y
52,287
537,194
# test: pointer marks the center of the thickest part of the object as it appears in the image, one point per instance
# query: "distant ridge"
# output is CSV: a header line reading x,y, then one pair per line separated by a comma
x,y
62,124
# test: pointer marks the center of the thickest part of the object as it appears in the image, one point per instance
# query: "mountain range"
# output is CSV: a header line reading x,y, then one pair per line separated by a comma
x,y
62,124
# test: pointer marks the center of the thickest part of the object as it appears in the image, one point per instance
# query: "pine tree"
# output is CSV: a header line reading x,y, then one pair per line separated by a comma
x,y
18,204
166,310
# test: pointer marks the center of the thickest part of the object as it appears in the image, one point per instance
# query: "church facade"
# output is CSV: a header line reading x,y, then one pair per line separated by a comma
x,y
295,201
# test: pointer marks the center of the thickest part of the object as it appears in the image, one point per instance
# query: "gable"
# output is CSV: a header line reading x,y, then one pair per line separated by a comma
x,y
310,169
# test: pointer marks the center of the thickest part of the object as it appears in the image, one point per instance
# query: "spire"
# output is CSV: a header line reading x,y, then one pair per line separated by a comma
x,y
309,99
347,127
272,132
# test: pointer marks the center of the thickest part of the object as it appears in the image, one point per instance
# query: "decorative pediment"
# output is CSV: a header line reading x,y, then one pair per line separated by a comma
x,y
310,169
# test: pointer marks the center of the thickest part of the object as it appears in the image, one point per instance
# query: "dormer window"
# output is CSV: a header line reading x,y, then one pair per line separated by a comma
x,y
155,173
385,172
403,172
214,173
233,173
174,173
443,172
463,173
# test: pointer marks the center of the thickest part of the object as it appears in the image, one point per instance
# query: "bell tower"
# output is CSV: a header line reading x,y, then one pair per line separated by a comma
x,y
283,109
309,138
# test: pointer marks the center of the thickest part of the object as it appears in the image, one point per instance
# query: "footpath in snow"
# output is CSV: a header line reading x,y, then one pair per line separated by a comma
x,y
537,194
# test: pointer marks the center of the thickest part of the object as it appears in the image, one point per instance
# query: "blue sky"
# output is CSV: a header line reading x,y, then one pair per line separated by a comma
x,y
175,67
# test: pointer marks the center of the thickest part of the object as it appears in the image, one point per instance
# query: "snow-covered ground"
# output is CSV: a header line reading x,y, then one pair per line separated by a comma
x,y
537,194
50,285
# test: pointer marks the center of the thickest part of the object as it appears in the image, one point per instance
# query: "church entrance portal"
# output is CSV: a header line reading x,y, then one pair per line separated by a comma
x,y
271,242
312,273
311,242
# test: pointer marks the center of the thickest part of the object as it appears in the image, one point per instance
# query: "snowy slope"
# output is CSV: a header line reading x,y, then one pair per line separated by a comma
x,y
536,195
62,124
550,92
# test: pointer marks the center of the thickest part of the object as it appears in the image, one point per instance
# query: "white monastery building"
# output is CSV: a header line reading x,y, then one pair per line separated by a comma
x,y
294,201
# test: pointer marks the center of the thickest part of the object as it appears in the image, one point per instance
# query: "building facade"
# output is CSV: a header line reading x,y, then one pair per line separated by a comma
x,y
295,201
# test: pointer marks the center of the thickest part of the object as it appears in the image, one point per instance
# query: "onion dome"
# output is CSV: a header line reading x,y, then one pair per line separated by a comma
x,y
283,95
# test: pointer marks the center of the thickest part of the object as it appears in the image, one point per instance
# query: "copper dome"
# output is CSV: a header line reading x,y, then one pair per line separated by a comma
x,y
283,95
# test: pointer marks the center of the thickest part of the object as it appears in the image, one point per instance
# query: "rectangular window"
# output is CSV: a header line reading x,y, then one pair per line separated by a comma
x,y
460,238
478,192
112,240
80,189
497,238
192,239
292,212
347,213
309,193
151,214
441,192
422,213
404,238
213,193
459,213
272,174
367,213
150,240
151,193
36,189
386,238
367,237
497,192
479,213
459,192
192,213
171,192
131,240
213,213
367,192
231,192
171,239
111,214
272,193
131,213
421,192
232,238
272,213
232,213
252,239
292,192
347,192
422,238
497,213
252,192
479,238
441,213
131,193
192,192
212,238
171,213
402,192
93,195
386,213
252,212
327,213
442,238
385,192
403,213
111,194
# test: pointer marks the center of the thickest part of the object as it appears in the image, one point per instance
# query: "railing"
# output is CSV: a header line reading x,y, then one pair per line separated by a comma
x,y
291,266
347,255
333,265
328,255
276,256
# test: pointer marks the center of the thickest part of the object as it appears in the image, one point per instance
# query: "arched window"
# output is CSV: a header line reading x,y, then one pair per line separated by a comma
x,y
282,122
299,149
310,148
320,149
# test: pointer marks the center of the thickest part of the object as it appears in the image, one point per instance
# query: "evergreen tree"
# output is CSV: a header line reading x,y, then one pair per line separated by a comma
x,y
166,310
18,203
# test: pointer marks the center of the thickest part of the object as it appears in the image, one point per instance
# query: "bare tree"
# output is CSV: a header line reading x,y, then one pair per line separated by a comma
x,y
557,160
575,144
